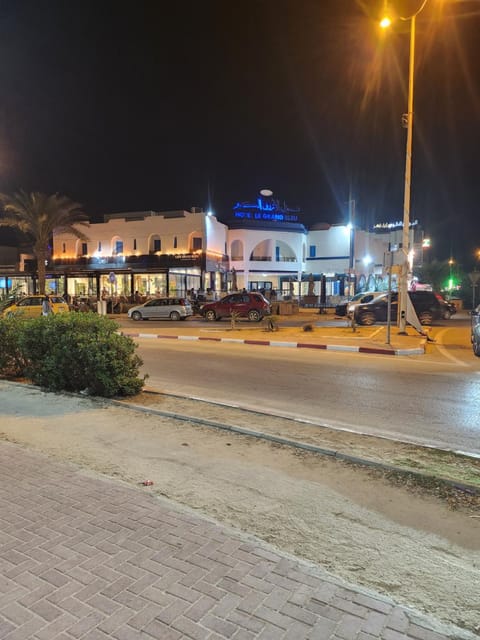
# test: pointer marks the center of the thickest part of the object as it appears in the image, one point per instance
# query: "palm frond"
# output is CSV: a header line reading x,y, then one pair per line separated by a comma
x,y
40,216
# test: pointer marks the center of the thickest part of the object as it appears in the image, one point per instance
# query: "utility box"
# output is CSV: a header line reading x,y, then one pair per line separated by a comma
x,y
285,308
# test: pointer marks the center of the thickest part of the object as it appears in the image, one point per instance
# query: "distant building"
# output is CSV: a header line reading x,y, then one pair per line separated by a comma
x,y
263,246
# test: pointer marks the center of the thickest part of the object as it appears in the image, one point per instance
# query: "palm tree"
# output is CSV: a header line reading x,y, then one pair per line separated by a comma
x,y
38,215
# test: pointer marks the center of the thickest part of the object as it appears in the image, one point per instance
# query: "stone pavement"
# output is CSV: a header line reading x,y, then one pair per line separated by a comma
x,y
85,557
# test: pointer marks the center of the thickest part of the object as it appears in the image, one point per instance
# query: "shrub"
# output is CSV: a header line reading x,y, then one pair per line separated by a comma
x,y
81,352
12,362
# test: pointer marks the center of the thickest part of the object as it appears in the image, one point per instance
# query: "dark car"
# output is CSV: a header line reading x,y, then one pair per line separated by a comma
x,y
476,331
246,305
448,308
426,304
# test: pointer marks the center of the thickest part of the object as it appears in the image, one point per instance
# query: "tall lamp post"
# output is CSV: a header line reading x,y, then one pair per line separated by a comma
x,y
407,121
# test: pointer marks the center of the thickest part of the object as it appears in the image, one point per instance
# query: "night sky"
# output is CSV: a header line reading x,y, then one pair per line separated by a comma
x,y
130,106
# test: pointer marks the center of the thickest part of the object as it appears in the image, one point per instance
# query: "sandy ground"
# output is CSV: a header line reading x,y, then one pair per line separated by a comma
x,y
353,522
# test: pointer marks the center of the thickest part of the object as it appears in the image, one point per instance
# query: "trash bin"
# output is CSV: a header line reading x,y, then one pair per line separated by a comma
x,y
102,307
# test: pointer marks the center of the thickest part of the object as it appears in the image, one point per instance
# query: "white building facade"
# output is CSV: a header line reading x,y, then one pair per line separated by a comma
x,y
262,247
155,254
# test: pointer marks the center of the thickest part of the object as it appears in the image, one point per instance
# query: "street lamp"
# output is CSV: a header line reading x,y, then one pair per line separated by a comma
x,y
451,262
407,121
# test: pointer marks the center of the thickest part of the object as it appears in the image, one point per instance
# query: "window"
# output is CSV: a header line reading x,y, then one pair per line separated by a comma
x,y
157,244
99,246
197,244
84,249
118,247
313,251
64,248
134,244
175,242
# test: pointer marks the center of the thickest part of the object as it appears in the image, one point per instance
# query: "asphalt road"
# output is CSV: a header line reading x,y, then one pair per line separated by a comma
x,y
432,399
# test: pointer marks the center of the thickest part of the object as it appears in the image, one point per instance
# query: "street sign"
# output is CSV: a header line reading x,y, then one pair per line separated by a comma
x,y
474,277
393,259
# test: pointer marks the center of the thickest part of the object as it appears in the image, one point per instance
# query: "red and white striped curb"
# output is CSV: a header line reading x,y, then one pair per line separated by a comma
x,y
280,343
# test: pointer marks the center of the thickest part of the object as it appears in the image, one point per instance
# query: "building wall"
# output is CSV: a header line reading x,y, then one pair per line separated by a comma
x,y
175,233
275,255
268,254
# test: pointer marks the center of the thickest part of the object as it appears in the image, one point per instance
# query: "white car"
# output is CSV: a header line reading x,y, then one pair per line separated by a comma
x,y
347,307
361,298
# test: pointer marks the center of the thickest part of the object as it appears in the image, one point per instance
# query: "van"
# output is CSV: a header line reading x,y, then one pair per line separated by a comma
x,y
162,308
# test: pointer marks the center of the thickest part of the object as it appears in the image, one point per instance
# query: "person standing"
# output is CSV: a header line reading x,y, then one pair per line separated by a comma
x,y
46,306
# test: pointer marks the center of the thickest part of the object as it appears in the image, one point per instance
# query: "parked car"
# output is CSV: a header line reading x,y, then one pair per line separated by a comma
x,y
476,331
253,306
31,306
161,308
347,307
426,304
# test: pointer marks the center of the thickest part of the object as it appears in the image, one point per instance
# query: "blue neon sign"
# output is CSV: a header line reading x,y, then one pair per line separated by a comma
x,y
265,209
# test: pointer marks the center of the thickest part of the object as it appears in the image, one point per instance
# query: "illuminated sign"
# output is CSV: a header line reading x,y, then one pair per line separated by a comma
x,y
266,209
393,225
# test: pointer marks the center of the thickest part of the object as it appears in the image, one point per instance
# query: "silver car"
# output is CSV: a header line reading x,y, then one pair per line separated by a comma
x,y
476,331
161,308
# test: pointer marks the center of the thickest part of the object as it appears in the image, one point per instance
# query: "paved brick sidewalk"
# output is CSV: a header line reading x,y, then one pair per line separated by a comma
x,y
83,557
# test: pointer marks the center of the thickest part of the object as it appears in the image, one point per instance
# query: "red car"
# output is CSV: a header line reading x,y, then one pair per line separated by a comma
x,y
247,305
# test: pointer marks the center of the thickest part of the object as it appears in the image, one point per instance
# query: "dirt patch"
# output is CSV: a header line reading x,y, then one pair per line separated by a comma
x,y
360,524
433,463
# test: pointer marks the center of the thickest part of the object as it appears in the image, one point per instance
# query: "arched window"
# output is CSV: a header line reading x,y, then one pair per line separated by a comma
x,y
117,246
155,244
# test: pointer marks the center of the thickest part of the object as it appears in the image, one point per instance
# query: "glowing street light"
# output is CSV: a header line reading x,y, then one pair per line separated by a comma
x,y
407,121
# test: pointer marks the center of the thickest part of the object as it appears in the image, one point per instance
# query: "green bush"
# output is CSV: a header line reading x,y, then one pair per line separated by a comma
x,y
12,362
80,352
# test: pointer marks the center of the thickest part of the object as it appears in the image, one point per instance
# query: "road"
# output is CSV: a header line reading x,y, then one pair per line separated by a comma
x,y
430,399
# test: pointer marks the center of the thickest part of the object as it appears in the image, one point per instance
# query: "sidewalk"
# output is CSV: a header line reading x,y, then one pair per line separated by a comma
x,y
84,557
328,333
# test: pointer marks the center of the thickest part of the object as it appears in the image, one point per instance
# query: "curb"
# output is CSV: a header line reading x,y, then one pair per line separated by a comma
x,y
295,345
298,444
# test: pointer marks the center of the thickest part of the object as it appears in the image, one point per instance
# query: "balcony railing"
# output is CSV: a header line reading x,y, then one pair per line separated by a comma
x,y
124,262
270,259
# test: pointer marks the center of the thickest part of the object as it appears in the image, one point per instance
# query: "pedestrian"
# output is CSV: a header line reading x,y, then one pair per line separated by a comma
x,y
46,306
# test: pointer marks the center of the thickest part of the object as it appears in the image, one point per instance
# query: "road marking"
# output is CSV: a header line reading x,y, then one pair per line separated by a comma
x,y
444,351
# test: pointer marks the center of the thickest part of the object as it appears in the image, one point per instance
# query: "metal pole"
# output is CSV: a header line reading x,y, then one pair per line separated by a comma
x,y
402,316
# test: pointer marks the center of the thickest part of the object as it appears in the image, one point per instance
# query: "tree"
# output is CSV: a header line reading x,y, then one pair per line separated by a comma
x,y
435,273
38,215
